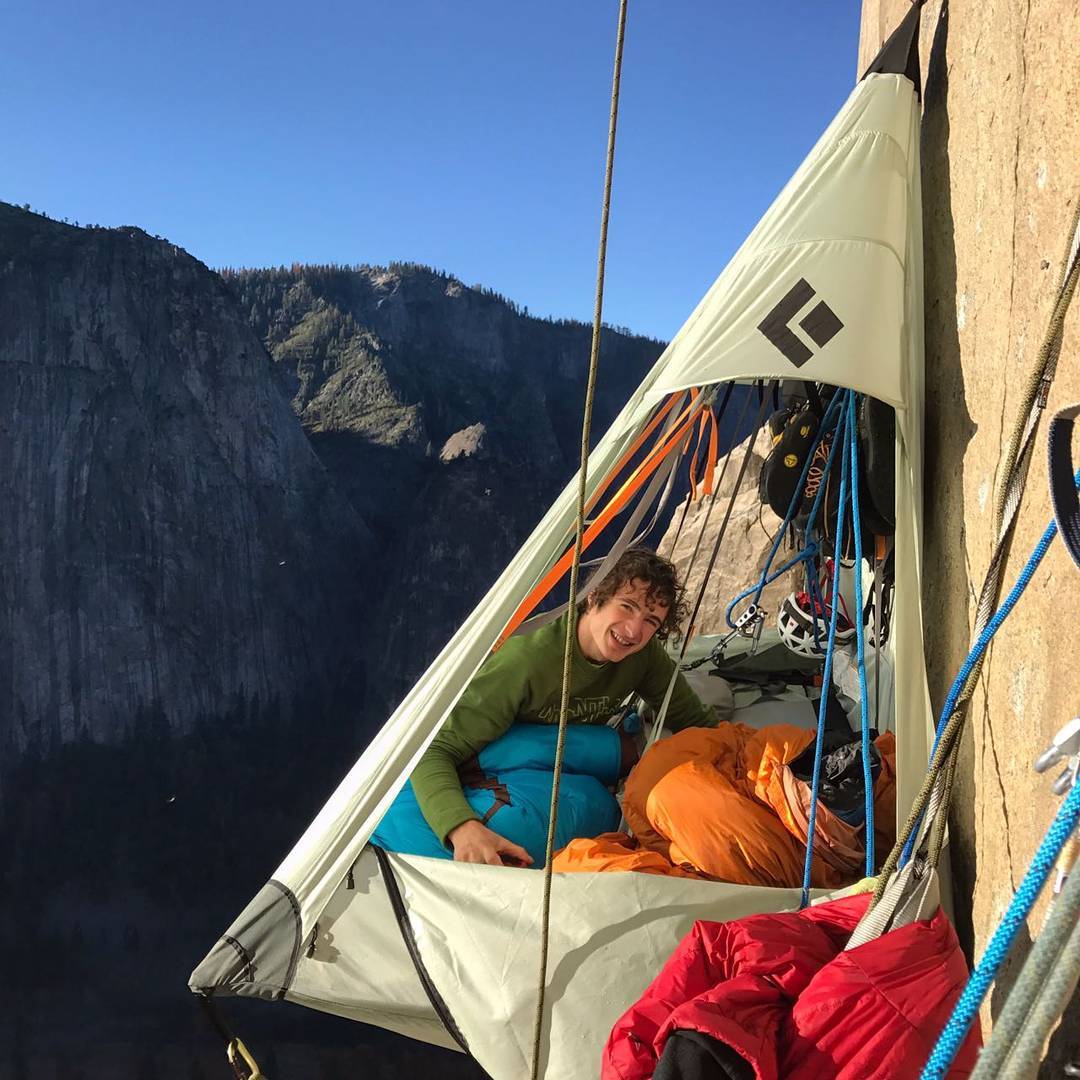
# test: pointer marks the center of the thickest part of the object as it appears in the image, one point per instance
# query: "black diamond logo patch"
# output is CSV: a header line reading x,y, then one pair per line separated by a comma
x,y
821,325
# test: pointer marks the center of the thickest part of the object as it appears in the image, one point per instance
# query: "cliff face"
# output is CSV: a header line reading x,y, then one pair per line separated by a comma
x,y
1000,146
449,417
169,541
172,549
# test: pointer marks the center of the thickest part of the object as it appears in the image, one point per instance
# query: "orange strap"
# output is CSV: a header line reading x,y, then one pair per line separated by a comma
x,y
697,452
714,452
632,484
637,443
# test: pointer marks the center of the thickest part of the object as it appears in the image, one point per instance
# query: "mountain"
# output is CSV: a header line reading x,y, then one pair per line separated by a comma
x,y
229,502
170,542
451,419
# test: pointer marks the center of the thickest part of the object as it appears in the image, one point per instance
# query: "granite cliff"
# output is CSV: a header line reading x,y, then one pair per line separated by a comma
x,y
204,553
179,543
169,543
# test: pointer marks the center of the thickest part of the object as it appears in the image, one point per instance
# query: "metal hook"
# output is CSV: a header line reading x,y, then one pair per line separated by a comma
x,y
1065,746
240,1058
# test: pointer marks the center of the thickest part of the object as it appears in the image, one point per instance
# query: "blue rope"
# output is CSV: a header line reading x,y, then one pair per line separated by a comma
x,y
808,554
826,678
980,647
833,410
860,634
1061,828
955,1030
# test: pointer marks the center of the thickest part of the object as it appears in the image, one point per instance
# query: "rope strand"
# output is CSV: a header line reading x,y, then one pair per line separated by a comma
x,y
571,621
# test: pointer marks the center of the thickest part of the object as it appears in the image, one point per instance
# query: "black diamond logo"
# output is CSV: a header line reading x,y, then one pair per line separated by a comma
x,y
821,324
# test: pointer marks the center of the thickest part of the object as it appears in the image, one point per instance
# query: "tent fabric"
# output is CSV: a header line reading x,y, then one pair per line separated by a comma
x,y
843,237
781,991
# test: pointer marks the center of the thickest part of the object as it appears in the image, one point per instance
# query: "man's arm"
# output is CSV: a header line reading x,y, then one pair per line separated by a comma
x,y
488,707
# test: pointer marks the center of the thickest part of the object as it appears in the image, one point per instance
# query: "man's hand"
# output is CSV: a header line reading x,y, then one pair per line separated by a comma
x,y
474,842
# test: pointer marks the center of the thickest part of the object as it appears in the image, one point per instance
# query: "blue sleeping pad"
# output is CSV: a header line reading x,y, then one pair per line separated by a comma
x,y
511,788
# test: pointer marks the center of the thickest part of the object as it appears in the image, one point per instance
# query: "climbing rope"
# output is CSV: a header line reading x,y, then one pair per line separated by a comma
x,y
955,1031
1040,993
932,801
826,678
860,631
875,921
661,713
571,621
1058,835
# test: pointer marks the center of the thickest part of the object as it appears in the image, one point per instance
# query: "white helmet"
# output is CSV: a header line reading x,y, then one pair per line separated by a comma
x,y
796,618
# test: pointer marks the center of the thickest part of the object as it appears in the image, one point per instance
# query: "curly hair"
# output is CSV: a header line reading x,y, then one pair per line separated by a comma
x,y
641,564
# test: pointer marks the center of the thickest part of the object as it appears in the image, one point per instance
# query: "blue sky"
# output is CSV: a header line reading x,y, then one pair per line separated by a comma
x,y
466,136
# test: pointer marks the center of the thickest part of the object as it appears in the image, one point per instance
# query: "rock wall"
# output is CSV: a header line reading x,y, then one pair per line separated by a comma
x,y
1001,176
748,538
169,541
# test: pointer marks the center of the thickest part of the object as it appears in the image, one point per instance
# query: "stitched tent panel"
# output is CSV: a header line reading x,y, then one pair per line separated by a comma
x,y
828,287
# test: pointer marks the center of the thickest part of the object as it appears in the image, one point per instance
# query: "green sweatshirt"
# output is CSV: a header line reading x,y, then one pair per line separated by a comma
x,y
523,682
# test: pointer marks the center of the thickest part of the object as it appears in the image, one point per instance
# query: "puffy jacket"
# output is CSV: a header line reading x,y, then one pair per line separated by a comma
x,y
780,991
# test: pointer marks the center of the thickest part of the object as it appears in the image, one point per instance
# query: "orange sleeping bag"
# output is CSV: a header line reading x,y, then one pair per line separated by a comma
x,y
723,803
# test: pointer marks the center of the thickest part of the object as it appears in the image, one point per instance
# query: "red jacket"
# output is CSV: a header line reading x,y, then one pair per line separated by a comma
x,y
780,990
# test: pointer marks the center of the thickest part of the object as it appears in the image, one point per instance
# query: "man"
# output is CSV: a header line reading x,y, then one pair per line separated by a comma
x,y
620,630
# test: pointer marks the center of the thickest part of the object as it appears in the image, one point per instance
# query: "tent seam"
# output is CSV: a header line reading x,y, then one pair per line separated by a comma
x,y
294,958
248,972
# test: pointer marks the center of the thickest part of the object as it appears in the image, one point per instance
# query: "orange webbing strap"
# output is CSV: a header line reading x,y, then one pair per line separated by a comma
x,y
696,454
636,445
714,452
630,487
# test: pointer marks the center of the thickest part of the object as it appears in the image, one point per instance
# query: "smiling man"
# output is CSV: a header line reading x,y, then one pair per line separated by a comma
x,y
619,650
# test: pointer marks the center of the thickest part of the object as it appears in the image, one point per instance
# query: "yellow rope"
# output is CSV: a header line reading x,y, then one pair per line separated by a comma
x,y
571,621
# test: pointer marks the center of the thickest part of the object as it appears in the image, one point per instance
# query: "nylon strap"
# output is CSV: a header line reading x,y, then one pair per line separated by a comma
x,y
714,452
664,478
695,456
686,505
